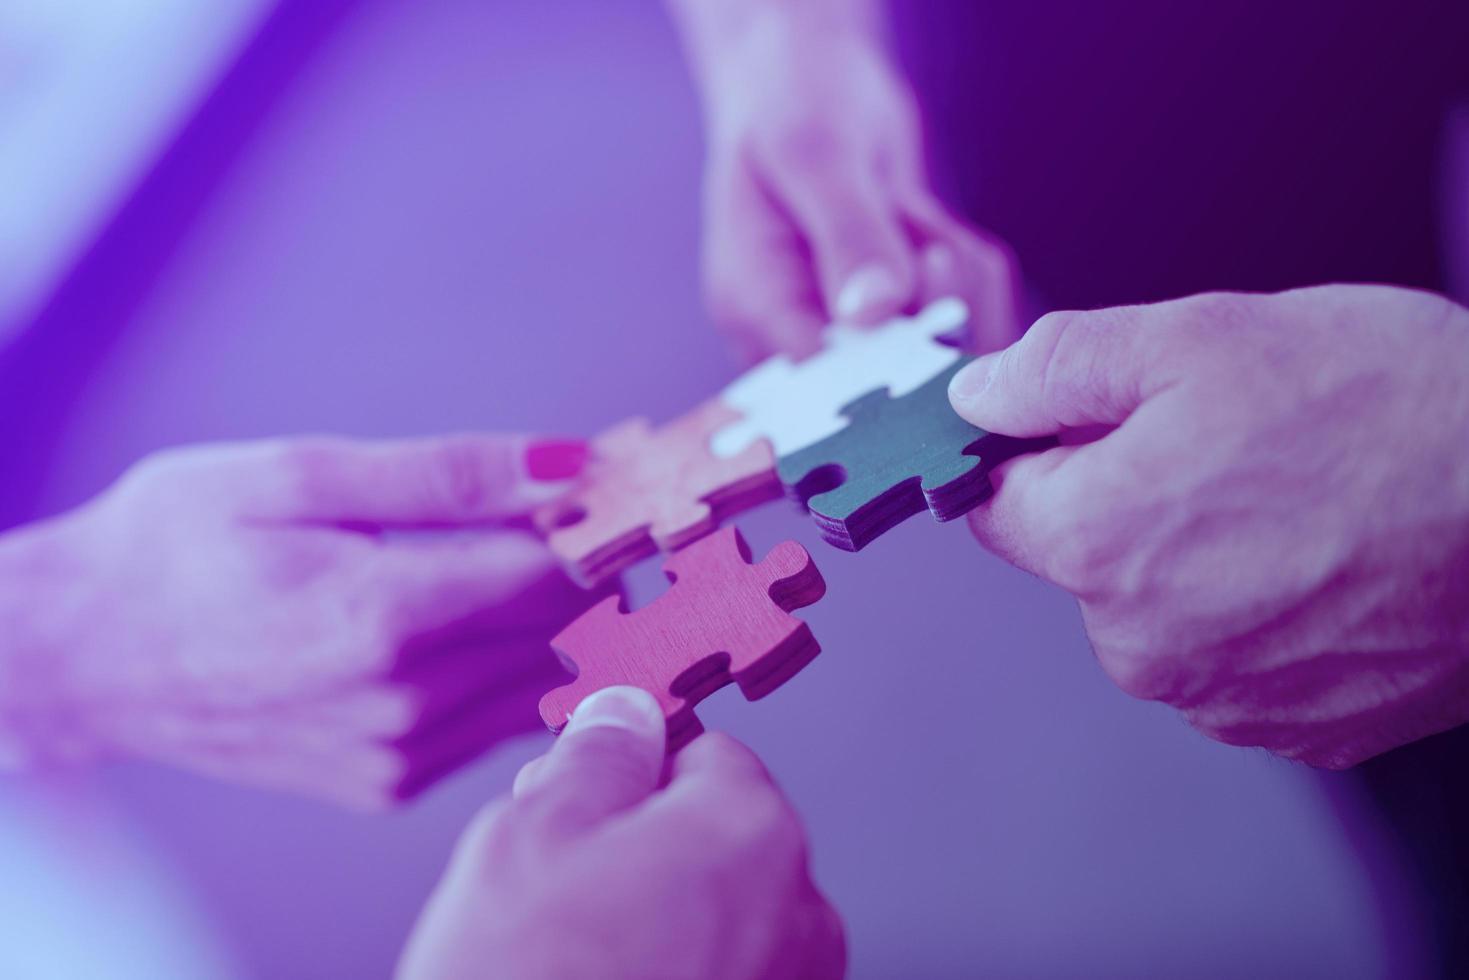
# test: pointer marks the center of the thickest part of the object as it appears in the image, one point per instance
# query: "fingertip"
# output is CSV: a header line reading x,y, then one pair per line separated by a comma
x,y
622,706
873,292
969,386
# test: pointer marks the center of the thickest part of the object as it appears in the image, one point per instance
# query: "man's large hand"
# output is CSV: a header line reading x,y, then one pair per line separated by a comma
x,y
590,870
1273,532
260,612
817,206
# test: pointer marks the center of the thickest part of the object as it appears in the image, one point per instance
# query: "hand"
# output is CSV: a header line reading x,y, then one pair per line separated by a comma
x,y
255,612
589,870
817,206
1273,533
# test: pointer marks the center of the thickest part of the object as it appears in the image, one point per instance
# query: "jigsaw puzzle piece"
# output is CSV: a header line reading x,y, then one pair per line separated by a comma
x,y
650,489
899,456
723,620
795,404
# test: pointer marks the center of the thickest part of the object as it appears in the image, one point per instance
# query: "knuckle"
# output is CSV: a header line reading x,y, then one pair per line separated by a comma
x,y
1077,359
382,627
1073,562
398,712
491,839
726,300
1225,727
1140,675
535,813
1334,759
763,827
461,477
383,778
1072,364
1216,316
805,146
1217,306
192,478
993,258
161,468
308,456
306,464
1056,339
381,798
530,809
718,745
1078,549
1154,667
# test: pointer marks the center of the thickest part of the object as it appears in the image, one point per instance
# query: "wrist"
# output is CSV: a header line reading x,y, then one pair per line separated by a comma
x,y
717,33
40,603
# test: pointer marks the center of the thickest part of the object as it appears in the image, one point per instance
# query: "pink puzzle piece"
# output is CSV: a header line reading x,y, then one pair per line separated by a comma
x,y
723,620
654,489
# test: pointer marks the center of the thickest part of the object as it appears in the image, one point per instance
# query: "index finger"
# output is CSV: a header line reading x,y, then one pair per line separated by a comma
x,y
437,481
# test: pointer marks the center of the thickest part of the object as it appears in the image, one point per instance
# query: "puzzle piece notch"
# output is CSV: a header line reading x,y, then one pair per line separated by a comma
x,y
795,404
898,457
651,489
724,619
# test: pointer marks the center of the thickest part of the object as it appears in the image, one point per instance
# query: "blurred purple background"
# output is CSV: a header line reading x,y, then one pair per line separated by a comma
x,y
392,219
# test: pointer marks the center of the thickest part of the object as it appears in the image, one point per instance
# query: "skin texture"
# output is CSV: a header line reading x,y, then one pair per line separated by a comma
x,y
1266,519
817,204
265,613
590,869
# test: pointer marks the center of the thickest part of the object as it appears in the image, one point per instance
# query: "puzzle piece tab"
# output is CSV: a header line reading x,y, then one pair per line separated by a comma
x,y
724,619
896,458
794,404
652,489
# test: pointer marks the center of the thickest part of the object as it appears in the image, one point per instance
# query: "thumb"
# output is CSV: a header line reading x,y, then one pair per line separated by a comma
x,y
863,258
608,758
1070,370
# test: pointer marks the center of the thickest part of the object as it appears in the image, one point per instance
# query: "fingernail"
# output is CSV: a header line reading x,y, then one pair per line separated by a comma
x,y
870,287
619,707
556,459
972,380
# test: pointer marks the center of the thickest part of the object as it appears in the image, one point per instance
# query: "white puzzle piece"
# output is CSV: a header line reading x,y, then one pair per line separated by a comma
x,y
795,404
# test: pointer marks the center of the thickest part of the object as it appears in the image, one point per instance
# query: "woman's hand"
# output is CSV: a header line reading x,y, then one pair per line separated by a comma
x,y
817,205
590,870
274,613
1272,534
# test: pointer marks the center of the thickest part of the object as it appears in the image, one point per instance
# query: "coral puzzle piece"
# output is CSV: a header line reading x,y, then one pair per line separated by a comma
x,y
724,619
794,404
652,489
896,458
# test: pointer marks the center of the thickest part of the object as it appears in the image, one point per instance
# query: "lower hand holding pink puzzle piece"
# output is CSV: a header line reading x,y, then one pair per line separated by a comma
x,y
589,869
1272,534
253,612
725,619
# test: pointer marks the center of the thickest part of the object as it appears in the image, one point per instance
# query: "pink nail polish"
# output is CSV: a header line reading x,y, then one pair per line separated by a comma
x,y
556,459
